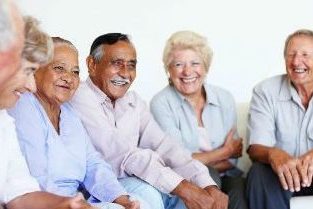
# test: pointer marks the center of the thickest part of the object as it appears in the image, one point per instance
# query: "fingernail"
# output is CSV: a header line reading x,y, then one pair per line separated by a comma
x,y
297,189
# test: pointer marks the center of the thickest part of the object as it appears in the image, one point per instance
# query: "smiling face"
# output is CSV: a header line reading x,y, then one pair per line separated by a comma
x,y
22,81
187,72
58,81
116,70
299,60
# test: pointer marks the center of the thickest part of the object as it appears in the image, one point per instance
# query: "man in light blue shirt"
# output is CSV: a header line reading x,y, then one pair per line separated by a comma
x,y
280,130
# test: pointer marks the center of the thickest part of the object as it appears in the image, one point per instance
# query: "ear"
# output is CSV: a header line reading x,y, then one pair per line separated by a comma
x,y
91,64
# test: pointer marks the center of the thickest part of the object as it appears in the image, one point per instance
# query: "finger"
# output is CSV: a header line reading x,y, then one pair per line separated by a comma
x,y
289,179
302,168
296,179
282,180
230,134
310,175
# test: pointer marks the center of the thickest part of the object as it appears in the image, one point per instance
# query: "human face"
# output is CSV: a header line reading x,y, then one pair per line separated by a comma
x,y
10,60
22,81
58,81
187,72
299,60
116,70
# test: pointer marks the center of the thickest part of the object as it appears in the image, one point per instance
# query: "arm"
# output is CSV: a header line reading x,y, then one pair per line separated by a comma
x,y
44,200
261,131
101,181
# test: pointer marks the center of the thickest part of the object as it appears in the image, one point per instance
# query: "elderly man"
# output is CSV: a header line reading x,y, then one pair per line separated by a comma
x,y
123,130
18,190
281,130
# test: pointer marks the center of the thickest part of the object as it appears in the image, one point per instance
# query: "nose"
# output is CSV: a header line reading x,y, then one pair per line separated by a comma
x,y
123,72
187,69
297,59
30,84
67,76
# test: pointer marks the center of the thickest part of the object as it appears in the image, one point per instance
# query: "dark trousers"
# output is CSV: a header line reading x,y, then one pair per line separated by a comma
x,y
264,190
234,187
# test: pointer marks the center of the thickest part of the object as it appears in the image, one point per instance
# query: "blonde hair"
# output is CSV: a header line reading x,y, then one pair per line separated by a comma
x,y
301,32
187,40
38,46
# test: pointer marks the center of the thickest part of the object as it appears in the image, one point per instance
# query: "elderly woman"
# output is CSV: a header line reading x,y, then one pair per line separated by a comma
x,y
18,188
56,146
199,115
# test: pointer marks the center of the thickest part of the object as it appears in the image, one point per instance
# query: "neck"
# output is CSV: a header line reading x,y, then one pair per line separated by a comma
x,y
197,101
52,109
305,92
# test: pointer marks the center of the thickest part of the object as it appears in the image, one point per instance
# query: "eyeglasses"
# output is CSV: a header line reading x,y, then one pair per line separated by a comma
x,y
182,65
121,63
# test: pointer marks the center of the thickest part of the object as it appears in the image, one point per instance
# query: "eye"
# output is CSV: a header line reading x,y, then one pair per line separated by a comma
x,y
178,64
131,66
58,68
195,64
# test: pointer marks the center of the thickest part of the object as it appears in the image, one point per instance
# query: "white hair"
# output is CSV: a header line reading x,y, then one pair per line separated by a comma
x,y
7,30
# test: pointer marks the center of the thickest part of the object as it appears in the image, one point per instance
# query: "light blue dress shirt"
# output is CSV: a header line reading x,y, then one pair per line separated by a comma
x,y
62,162
277,117
176,116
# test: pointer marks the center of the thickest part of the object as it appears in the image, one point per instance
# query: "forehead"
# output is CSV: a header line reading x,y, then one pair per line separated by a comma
x,y
120,49
185,54
64,53
301,42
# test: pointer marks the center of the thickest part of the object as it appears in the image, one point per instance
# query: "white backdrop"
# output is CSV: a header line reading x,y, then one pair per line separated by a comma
x,y
247,36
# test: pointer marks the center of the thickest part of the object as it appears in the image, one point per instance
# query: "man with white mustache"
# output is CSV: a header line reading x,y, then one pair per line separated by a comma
x,y
148,163
281,130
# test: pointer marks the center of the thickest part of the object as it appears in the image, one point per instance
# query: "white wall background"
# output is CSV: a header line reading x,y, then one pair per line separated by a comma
x,y
247,36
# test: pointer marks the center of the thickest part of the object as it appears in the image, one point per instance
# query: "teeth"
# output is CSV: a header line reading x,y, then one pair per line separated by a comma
x,y
299,70
119,82
188,80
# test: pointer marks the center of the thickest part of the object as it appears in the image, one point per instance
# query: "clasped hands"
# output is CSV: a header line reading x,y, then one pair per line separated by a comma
x,y
293,173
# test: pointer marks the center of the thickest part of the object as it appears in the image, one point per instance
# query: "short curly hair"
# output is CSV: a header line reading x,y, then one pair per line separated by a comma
x,y
187,40
301,32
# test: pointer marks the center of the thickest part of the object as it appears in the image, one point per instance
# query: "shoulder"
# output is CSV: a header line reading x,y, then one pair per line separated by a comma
x,y
222,96
167,95
271,85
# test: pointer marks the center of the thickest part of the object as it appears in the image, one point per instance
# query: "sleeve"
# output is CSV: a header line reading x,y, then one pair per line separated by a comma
x,y
172,153
163,114
261,121
100,180
31,133
19,181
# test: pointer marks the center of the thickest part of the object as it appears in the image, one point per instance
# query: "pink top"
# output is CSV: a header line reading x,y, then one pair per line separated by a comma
x,y
132,142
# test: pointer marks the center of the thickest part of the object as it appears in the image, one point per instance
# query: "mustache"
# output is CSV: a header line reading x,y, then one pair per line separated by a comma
x,y
120,79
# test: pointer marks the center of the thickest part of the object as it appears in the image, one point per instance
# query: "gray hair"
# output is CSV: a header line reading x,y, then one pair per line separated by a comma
x,y
98,53
187,40
301,32
61,41
7,30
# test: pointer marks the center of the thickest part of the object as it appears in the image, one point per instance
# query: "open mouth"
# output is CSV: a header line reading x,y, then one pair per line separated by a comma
x,y
300,70
188,80
120,82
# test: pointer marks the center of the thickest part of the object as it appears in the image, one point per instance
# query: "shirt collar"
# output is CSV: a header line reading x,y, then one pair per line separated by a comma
x,y
128,98
287,90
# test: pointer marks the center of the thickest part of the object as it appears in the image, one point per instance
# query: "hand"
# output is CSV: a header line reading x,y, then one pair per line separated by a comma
x,y
77,202
126,202
193,196
220,199
233,146
305,168
285,166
